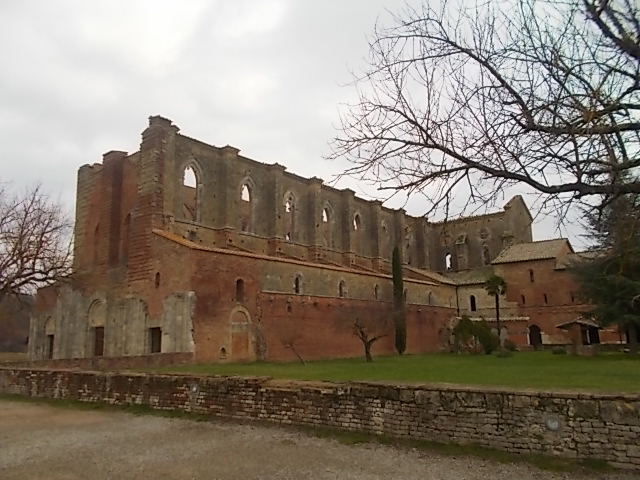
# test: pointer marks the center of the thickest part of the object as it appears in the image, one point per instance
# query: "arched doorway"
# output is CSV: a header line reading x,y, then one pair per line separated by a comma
x,y
241,345
49,331
97,317
535,336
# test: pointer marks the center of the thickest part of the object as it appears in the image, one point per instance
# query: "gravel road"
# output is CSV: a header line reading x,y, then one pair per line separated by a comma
x,y
40,441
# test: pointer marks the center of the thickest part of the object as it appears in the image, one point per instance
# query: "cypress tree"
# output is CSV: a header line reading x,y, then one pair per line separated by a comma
x,y
399,317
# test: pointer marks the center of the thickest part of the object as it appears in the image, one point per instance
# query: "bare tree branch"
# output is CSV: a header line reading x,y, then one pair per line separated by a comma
x,y
35,242
461,101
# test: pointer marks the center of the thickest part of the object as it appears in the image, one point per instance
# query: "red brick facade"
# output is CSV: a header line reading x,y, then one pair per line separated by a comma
x,y
253,262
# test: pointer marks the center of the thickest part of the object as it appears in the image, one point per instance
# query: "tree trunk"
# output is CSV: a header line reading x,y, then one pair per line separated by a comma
x,y
297,355
633,338
367,352
498,321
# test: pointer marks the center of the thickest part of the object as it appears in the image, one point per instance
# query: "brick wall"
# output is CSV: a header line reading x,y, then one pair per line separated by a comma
x,y
574,425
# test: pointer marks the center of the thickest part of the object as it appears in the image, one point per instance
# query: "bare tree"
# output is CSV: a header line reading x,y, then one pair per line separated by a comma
x,y
35,242
369,332
468,101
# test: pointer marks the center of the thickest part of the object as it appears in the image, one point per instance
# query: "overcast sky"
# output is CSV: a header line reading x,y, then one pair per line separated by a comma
x,y
80,78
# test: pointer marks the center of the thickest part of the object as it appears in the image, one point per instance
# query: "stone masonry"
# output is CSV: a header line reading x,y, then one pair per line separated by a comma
x,y
573,425
185,247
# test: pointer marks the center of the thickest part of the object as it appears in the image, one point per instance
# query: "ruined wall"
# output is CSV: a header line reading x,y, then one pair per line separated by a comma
x,y
74,325
573,425
237,200
474,242
14,322
283,302
242,205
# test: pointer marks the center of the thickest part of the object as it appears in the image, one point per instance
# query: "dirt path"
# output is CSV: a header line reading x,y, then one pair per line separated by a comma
x,y
41,441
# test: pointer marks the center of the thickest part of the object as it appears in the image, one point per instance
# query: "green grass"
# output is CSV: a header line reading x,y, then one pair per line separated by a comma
x,y
614,372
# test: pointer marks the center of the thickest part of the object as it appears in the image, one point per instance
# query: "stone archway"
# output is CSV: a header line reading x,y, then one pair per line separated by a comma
x,y
49,335
241,336
97,318
535,336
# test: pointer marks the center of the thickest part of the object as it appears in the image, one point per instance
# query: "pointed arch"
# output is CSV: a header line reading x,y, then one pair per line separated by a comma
x,y
246,206
190,188
290,207
241,339
96,320
326,225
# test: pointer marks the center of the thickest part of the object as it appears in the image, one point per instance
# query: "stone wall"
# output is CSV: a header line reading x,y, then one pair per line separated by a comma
x,y
574,425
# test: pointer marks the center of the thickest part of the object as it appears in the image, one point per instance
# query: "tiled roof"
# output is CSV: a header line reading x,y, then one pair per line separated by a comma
x,y
471,277
541,250
578,257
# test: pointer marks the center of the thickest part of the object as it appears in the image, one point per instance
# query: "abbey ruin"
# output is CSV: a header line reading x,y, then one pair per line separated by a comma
x,y
183,247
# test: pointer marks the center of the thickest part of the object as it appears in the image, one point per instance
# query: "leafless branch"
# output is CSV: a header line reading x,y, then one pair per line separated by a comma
x,y
468,101
35,242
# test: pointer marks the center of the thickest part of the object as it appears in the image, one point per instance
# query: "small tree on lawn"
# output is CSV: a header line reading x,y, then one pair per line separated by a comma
x,y
369,332
290,334
399,314
496,286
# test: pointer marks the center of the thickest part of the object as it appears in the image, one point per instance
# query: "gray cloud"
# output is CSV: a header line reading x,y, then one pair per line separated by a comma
x,y
80,78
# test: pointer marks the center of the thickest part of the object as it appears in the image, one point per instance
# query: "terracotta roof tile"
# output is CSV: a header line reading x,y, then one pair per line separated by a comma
x,y
541,250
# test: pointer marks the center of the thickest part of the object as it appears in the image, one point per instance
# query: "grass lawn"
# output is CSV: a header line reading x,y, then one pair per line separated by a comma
x,y
13,357
540,370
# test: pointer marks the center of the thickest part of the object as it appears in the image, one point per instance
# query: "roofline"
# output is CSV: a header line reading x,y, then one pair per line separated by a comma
x,y
196,246
566,240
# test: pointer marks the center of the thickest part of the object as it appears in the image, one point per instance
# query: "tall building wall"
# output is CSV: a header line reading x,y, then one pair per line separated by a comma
x,y
285,214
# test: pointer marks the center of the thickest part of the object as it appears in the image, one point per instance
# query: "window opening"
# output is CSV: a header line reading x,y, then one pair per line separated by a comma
x,y
288,206
522,300
189,178
98,341
49,347
447,262
357,224
157,280
376,291
297,285
342,289
245,195
240,290
472,303
189,194
546,300
531,276
535,336
155,340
